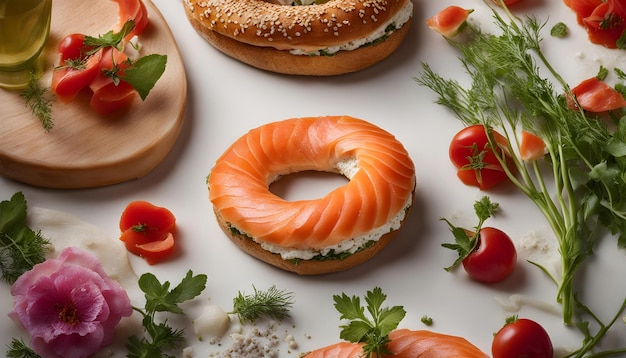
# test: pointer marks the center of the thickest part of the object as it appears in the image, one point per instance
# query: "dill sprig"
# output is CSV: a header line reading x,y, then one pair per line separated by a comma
x,y
39,102
21,248
273,303
586,159
19,349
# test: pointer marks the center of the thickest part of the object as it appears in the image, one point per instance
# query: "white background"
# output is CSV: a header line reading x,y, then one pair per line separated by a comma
x,y
227,98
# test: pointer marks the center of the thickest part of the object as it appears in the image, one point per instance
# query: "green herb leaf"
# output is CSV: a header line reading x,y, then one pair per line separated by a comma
x,y
21,248
273,303
465,240
145,72
159,298
559,30
19,349
109,39
373,330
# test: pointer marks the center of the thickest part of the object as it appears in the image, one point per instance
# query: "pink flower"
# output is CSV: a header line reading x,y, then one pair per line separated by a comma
x,y
69,305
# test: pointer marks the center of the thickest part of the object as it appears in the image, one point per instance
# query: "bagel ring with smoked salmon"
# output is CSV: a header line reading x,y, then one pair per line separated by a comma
x,y
343,229
303,37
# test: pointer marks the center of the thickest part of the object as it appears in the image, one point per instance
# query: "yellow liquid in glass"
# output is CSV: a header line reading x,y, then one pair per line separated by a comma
x,y
24,29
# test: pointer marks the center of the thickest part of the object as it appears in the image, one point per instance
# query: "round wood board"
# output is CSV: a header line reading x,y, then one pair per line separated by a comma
x,y
84,149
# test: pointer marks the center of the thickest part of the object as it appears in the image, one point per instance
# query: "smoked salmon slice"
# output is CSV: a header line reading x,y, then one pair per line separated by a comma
x,y
379,190
407,343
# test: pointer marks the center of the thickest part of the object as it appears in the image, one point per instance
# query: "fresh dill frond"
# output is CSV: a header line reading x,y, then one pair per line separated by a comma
x,y
585,187
21,248
39,102
273,303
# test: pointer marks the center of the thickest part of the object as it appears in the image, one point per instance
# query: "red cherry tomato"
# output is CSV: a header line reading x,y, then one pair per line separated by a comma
x,y
494,257
522,338
73,47
474,158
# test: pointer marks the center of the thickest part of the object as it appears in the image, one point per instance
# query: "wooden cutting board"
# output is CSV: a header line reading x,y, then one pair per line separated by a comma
x,y
84,149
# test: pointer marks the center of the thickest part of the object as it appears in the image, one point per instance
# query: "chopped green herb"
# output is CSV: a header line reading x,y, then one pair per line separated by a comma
x,y
427,320
559,30
21,248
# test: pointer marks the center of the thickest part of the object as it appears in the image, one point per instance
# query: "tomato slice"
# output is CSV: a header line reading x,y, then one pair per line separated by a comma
x,y
68,82
596,96
449,21
146,213
132,10
109,96
147,230
582,8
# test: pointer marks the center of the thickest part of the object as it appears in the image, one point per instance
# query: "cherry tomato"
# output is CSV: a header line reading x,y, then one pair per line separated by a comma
x,y
493,258
522,338
73,47
474,158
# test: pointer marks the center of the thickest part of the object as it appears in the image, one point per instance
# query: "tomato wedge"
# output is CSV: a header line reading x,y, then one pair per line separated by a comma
x,y
595,96
147,230
582,8
532,147
449,21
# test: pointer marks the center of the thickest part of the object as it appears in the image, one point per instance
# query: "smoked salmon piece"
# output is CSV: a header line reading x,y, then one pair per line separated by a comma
x,y
379,189
407,343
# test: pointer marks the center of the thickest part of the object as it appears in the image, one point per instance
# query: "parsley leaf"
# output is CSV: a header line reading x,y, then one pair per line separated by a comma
x,y
373,330
159,298
21,248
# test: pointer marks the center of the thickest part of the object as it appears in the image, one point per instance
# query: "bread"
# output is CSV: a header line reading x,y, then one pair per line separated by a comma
x,y
289,39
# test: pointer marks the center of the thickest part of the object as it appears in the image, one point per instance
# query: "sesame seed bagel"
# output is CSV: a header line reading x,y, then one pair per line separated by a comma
x,y
290,39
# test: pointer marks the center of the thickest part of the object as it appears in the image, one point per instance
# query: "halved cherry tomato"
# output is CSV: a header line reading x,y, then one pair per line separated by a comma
x,y
522,338
605,21
493,259
532,147
449,21
596,96
147,230
474,158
